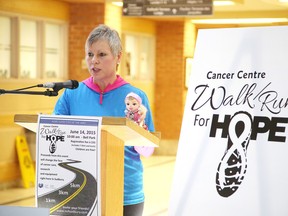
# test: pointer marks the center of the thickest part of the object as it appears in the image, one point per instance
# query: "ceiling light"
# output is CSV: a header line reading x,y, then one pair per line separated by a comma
x,y
118,3
239,21
223,3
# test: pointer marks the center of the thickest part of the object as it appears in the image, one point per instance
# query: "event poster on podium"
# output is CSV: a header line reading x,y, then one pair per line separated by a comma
x,y
232,152
67,155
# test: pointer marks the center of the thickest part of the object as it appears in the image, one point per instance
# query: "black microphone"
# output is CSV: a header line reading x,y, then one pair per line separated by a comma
x,y
70,84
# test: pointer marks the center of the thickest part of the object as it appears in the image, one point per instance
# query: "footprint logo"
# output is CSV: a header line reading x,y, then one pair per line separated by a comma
x,y
233,165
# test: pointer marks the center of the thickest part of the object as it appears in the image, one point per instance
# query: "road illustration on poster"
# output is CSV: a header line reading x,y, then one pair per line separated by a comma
x,y
80,192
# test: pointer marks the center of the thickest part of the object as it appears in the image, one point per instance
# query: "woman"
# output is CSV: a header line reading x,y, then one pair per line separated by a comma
x,y
103,94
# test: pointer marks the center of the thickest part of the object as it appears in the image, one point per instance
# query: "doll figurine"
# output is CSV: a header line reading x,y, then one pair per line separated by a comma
x,y
133,109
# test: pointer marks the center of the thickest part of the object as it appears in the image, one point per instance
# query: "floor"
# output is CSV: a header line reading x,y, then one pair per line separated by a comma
x,y
158,175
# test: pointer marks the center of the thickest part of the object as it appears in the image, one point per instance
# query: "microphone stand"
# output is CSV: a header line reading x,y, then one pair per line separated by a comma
x,y
20,91
45,93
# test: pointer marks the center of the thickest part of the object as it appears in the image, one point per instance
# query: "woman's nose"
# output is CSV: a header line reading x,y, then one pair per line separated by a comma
x,y
95,60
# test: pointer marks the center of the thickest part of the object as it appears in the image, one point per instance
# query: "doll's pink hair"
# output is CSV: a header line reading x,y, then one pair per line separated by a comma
x,y
137,97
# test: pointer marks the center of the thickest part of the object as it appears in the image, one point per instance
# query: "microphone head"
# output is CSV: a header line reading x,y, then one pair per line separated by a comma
x,y
70,84
75,84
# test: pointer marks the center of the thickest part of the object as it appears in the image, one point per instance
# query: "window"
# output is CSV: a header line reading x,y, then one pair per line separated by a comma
x,y
138,61
28,49
32,48
53,51
5,47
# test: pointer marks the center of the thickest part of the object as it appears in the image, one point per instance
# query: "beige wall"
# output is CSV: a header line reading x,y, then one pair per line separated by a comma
x,y
144,26
40,8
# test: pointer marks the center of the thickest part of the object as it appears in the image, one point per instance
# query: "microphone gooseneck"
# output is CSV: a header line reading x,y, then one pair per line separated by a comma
x,y
70,84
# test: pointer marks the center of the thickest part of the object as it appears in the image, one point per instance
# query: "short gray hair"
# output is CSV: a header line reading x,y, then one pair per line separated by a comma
x,y
103,32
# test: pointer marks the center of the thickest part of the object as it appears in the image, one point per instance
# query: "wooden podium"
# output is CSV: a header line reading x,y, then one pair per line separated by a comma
x,y
115,134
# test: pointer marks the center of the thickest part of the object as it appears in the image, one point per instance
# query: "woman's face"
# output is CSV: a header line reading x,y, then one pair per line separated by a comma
x,y
101,62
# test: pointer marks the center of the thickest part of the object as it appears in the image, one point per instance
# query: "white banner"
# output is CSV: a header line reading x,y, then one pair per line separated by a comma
x,y
232,154
68,165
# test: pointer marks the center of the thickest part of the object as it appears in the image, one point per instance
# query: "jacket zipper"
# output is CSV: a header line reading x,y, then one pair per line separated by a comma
x,y
101,97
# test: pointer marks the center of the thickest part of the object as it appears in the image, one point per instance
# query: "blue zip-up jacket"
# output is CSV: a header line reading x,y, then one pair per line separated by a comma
x,y
89,100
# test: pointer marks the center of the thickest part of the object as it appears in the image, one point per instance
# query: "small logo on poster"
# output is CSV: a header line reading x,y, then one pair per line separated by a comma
x,y
53,139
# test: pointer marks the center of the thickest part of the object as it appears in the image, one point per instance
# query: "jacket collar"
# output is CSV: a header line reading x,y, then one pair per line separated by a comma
x,y
118,82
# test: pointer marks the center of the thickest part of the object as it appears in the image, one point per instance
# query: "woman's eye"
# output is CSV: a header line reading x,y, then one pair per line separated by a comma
x,y
90,54
102,54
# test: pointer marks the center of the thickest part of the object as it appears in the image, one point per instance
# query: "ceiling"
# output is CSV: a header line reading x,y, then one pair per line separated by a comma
x,y
242,9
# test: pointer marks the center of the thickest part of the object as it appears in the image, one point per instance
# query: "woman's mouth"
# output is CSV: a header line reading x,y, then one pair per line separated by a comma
x,y
94,70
